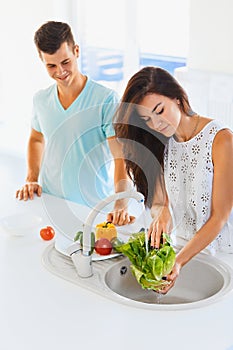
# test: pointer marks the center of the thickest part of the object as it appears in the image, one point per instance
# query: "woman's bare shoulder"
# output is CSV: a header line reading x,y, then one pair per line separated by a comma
x,y
223,142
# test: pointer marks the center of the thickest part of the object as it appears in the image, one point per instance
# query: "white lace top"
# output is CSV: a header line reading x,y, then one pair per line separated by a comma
x,y
188,175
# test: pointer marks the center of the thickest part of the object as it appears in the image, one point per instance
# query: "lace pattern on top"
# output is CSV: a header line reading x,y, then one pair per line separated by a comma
x,y
188,172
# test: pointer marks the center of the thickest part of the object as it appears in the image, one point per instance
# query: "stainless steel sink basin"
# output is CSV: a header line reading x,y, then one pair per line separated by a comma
x,y
204,280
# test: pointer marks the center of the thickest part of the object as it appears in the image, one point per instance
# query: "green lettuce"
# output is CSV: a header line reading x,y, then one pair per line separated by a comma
x,y
149,268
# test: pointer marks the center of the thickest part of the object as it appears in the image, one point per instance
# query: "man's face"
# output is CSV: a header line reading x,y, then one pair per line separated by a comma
x,y
62,65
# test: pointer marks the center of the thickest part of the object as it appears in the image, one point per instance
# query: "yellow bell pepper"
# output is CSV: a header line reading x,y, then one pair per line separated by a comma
x,y
105,230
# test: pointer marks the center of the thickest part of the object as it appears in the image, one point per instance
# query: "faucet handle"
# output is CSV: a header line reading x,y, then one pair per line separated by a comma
x,y
73,248
82,263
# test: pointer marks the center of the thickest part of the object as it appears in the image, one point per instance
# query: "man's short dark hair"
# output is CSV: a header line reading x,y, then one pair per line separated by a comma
x,y
51,35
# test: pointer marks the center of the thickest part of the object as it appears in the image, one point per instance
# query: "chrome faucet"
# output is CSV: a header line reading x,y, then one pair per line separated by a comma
x,y
81,256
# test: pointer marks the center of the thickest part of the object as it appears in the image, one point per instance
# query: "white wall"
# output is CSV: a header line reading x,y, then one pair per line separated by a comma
x,y
211,35
162,22
20,69
208,77
21,72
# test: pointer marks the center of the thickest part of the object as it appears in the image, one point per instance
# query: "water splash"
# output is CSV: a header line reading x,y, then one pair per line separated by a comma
x,y
145,229
145,220
158,298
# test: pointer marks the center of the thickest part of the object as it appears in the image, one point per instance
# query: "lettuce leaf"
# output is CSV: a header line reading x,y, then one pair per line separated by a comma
x,y
150,267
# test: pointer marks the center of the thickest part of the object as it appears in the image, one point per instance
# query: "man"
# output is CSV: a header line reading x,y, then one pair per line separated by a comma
x,y
72,138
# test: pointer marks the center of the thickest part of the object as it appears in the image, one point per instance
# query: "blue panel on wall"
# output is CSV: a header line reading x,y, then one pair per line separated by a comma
x,y
107,65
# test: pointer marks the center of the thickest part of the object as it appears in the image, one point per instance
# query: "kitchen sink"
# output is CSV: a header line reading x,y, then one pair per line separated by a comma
x,y
199,280
204,280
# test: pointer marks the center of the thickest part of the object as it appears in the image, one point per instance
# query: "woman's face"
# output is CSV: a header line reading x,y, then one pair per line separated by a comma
x,y
160,113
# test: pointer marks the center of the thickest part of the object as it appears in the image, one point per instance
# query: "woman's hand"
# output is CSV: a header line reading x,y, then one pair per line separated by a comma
x,y
171,278
162,223
28,190
120,216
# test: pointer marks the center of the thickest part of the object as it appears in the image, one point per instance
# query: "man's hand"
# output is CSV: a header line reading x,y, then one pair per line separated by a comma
x,y
119,215
35,151
28,190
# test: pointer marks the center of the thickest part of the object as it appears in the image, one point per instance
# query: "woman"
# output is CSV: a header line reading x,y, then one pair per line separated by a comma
x,y
180,161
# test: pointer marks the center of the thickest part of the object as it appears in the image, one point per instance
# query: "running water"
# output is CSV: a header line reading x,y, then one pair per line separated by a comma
x,y
146,240
145,229
158,298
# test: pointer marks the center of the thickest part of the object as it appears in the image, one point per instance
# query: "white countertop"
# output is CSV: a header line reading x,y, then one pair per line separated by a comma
x,y
39,310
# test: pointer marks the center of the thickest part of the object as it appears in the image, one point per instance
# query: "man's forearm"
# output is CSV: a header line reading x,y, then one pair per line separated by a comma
x,y
122,181
34,159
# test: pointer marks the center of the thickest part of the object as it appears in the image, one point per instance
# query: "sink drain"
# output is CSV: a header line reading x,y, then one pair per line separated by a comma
x,y
123,270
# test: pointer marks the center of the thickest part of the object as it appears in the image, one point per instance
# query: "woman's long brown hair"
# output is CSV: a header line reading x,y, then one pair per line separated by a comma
x,y
143,147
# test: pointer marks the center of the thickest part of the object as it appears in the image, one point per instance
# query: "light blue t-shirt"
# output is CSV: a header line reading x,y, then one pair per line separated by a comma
x,y
77,158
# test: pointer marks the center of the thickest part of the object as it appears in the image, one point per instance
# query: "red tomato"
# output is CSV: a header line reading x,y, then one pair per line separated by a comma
x,y
103,246
47,233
